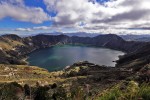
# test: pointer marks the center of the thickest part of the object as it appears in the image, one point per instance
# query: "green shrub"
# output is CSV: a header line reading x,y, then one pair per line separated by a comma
x,y
127,91
11,91
144,91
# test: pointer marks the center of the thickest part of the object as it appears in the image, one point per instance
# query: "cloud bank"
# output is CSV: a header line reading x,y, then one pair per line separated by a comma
x,y
114,16
18,11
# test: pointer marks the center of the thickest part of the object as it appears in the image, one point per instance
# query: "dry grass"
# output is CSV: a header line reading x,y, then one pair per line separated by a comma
x,y
8,44
31,75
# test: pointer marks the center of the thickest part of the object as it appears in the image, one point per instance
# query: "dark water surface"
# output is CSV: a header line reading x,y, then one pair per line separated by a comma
x,y
58,57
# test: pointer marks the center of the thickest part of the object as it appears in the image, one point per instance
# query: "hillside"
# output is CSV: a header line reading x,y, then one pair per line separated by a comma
x,y
14,48
82,80
135,59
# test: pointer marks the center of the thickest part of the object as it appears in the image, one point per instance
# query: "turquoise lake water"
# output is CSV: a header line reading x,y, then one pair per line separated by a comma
x,y
58,57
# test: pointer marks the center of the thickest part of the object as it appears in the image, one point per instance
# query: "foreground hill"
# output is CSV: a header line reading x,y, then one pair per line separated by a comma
x,y
81,81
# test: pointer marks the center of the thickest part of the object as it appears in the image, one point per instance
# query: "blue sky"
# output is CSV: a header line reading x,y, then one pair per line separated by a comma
x,y
92,16
8,22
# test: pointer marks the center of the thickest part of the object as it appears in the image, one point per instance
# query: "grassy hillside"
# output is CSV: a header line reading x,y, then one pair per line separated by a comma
x,y
9,44
127,90
81,81
26,74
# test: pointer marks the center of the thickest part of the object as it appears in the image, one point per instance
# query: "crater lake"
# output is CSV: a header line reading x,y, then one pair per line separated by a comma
x,y
58,57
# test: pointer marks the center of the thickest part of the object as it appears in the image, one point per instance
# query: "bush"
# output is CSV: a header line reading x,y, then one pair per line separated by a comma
x,y
127,91
41,93
144,91
27,90
11,91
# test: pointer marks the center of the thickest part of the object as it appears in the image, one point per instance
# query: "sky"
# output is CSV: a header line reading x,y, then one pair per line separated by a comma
x,y
30,17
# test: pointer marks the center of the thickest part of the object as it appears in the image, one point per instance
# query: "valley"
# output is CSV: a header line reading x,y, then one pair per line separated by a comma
x,y
132,67
60,56
74,50
14,45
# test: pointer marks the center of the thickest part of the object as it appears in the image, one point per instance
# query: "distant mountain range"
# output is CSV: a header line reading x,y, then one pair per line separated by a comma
x,y
144,39
80,34
129,37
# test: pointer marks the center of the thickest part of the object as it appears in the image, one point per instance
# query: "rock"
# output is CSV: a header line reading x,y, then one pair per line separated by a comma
x,y
1,48
6,68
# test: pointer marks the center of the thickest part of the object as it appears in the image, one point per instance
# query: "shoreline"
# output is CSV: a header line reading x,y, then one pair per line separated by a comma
x,y
113,61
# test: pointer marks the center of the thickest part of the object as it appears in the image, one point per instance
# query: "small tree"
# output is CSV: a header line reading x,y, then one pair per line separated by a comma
x,y
27,90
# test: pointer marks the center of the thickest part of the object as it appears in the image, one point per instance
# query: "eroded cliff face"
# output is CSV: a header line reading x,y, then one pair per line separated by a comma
x,y
14,48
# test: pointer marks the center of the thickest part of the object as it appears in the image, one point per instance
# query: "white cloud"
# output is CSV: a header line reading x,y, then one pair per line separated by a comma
x,y
41,28
114,14
18,11
50,4
72,12
24,29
